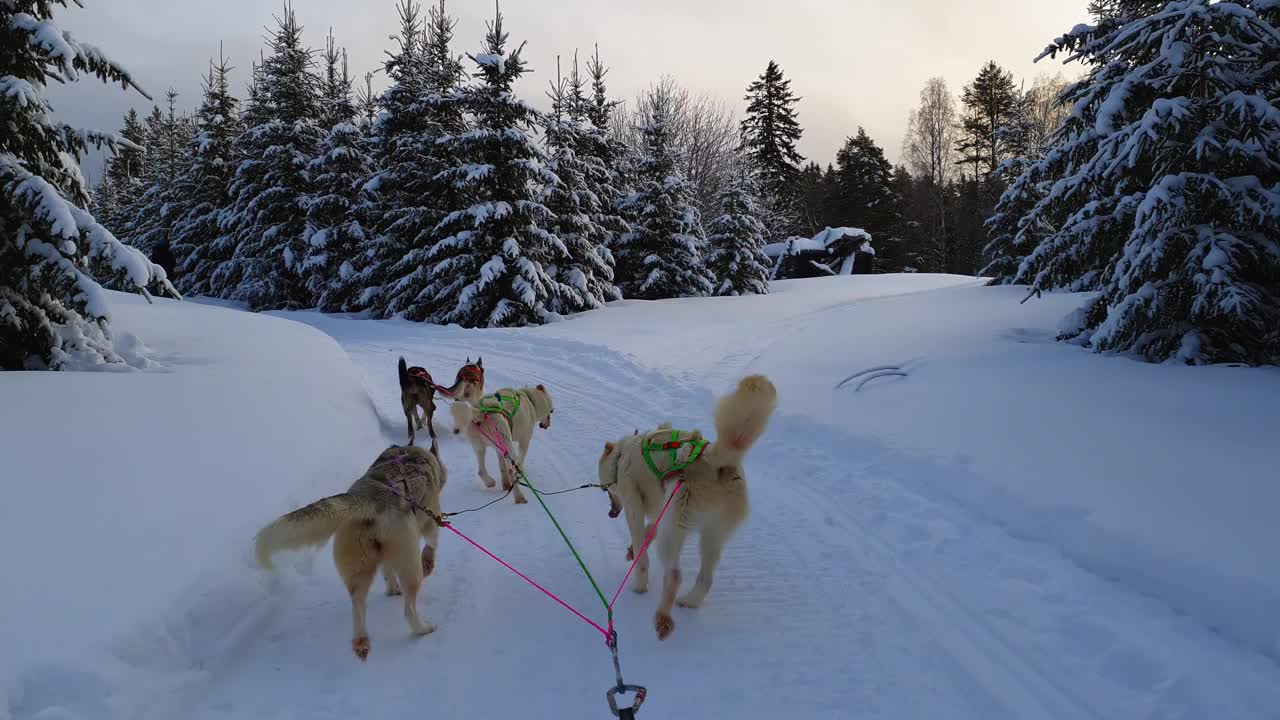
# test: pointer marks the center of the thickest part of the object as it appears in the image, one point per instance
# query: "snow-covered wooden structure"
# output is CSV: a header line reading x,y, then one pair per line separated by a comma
x,y
834,251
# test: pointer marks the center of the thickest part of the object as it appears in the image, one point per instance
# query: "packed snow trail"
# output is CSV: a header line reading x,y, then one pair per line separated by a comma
x,y
850,592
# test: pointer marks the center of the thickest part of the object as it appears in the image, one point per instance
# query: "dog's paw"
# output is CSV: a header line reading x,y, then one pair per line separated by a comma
x,y
425,629
488,481
631,553
664,624
521,500
689,601
360,646
392,591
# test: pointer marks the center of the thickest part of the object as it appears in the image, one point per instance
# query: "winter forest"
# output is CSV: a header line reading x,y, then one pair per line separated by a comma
x,y
1150,178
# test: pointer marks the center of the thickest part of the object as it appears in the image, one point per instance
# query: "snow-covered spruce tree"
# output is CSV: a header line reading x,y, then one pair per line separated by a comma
x,y
1162,191
662,255
770,132
586,275
614,185
862,195
168,146
490,265
207,181
337,206
122,177
267,216
336,105
53,313
736,237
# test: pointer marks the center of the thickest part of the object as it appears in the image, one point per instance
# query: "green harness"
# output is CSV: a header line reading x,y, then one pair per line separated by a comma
x,y
673,446
500,408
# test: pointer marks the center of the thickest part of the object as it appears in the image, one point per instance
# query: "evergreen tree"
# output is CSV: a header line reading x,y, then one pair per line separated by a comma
x,y
267,217
1160,190
736,237
662,255
336,232
207,180
53,313
122,177
770,132
863,186
612,187
336,106
991,110
423,105
586,275
490,267
164,201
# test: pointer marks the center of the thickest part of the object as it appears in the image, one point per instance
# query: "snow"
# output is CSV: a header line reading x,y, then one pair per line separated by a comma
x,y
987,524
124,521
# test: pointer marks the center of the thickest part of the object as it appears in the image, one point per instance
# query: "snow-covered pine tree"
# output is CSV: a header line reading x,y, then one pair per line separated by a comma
x,y
207,180
164,201
490,265
122,177
53,313
1162,187
736,237
662,255
336,105
612,153
586,275
770,132
423,104
337,207
267,216
862,193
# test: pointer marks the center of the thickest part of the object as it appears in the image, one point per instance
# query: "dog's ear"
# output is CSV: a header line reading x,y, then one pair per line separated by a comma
x,y
608,449
637,432
468,362
479,362
542,388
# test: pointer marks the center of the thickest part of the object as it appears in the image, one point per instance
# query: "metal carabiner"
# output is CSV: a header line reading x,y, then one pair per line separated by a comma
x,y
626,713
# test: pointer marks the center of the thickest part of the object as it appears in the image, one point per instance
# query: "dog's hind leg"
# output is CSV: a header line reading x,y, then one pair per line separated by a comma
x,y
431,414
670,540
356,553
711,543
408,416
403,557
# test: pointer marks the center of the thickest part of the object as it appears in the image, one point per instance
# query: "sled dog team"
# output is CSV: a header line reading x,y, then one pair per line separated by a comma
x,y
382,519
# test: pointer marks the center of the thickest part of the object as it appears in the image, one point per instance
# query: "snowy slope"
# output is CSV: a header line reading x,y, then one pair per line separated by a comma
x,y
128,496
915,548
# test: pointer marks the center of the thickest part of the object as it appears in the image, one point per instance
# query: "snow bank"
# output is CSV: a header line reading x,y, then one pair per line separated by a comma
x,y
1159,477
131,494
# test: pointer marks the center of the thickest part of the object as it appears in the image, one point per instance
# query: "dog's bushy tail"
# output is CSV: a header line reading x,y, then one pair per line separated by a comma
x,y
404,374
741,418
309,526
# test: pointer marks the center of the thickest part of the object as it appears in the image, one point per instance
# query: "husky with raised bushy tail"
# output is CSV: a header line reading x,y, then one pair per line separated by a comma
x,y
637,472
380,520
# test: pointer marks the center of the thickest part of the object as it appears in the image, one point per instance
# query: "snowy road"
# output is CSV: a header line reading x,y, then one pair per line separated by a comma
x,y
852,591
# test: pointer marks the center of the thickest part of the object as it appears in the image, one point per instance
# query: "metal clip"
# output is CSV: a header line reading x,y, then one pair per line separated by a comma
x,y
626,713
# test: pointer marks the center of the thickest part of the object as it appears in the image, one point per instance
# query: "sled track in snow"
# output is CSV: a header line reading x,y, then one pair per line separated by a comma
x,y
852,589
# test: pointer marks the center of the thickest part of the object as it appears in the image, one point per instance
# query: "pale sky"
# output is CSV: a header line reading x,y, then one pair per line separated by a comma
x,y
854,62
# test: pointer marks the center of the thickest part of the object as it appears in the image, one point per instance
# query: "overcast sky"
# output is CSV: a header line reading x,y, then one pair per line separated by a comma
x,y
854,62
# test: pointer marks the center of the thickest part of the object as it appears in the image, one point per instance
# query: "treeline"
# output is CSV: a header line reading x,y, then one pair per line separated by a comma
x,y
447,198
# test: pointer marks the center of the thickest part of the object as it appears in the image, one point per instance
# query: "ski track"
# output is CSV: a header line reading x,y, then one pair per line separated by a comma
x,y
852,591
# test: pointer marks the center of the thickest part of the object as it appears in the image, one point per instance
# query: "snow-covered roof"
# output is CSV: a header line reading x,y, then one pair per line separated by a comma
x,y
831,235
820,242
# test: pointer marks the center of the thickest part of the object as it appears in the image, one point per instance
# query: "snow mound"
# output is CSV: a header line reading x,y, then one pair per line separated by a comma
x,y
129,494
